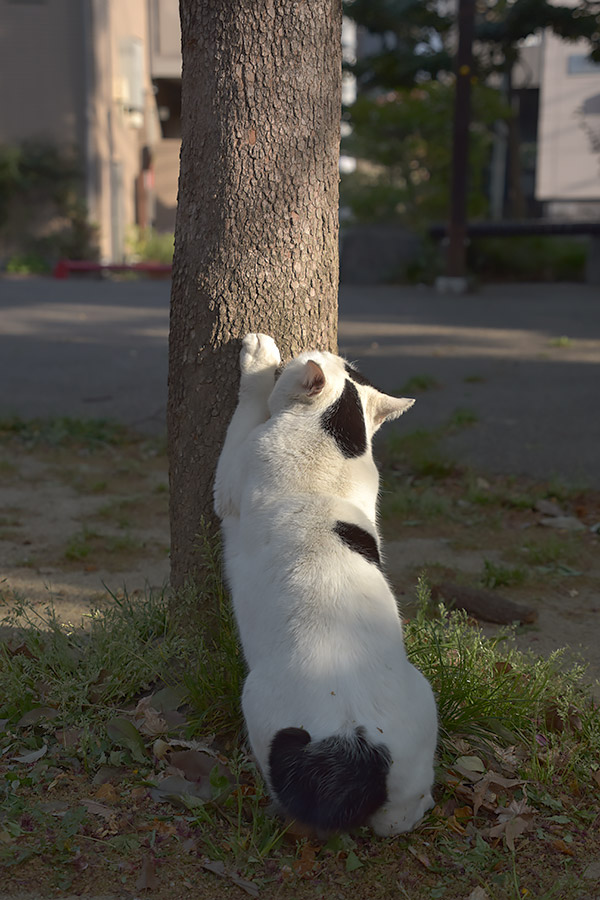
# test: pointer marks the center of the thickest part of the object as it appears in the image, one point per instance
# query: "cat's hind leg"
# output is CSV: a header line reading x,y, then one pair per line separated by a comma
x,y
259,360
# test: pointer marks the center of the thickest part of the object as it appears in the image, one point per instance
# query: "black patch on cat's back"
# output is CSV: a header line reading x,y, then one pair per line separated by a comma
x,y
357,376
359,541
344,420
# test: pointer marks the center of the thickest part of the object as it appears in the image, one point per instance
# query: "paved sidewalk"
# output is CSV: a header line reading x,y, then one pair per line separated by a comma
x,y
524,358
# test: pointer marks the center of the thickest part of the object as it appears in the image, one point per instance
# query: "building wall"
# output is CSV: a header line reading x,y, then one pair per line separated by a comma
x,y
165,68
166,162
569,127
165,39
118,131
43,73
65,67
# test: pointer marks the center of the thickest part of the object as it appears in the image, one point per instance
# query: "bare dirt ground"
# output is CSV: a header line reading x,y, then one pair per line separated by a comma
x,y
81,524
82,517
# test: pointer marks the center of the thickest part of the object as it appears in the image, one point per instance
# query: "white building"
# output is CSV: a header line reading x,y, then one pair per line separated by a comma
x,y
568,158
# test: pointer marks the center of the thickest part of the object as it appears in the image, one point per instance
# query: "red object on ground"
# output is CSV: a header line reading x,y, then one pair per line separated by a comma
x,y
64,267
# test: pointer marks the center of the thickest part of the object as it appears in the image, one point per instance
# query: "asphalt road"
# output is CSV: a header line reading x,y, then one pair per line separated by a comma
x,y
524,359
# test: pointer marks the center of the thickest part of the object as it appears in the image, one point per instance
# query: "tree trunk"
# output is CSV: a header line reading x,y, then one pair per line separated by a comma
x,y
256,239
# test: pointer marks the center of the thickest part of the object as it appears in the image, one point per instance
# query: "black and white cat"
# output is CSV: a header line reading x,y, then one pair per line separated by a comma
x,y
343,727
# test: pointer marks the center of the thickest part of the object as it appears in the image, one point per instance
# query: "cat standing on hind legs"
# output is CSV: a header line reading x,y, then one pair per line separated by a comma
x,y
342,725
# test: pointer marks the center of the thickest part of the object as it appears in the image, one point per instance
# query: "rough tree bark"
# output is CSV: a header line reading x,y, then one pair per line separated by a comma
x,y
256,240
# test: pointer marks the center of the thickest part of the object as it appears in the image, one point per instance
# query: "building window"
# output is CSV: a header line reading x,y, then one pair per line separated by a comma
x,y
580,64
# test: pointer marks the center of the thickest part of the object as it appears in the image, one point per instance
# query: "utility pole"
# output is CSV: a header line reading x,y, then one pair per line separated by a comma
x,y
457,228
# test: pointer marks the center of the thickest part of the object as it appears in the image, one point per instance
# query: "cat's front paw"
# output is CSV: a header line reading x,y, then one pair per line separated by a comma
x,y
259,352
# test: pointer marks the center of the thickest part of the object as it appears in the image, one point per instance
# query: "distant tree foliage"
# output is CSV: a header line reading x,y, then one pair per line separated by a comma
x,y
417,36
43,215
401,124
406,135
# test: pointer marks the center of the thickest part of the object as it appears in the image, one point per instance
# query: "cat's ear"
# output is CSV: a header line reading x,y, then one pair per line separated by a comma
x,y
313,380
386,407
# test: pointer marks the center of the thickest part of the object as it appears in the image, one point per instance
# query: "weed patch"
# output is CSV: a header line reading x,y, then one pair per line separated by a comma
x,y
107,763
64,431
420,452
497,575
418,384
96,548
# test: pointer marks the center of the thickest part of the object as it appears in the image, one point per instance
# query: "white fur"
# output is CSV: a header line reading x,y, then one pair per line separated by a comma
x,y
319,625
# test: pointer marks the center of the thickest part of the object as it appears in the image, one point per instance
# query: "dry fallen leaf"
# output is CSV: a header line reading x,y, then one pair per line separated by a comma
x,y
148,720
218,868
69,737
513,820
592,870
179,790
38,714
478,894
306,864
31,757
196,764
483,793
107,773
97,809
507,757
562,847
18,649
107,793
469,766
165,829
160,748
418,854
147,879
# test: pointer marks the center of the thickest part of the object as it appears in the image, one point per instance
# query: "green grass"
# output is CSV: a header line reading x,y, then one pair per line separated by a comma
x,y
88,543
418,384
148,245
119,511
130,645
27,264
7,469
461,418
551,551
64,431
491,698
498,575
562,341
122,648
80,545
408,503
420,451
484,687
214,680
87,668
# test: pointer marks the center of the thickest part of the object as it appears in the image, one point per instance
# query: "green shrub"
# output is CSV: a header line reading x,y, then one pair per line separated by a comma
x,y
147,245
528,258
43,215
27,264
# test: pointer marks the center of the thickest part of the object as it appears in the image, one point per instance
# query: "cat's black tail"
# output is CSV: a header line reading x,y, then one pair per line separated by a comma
x,y
334,784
